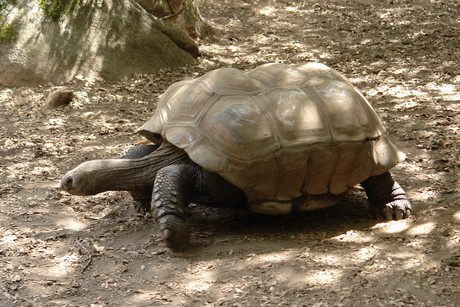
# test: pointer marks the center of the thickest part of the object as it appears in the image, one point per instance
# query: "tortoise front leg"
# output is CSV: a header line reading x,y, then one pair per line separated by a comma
x,y
176,186
169,199
387,196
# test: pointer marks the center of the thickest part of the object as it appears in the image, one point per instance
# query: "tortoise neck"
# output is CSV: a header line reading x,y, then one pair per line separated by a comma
x,y
137,174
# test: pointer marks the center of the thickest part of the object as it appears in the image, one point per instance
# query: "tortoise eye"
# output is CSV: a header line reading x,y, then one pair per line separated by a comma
x,y
68,181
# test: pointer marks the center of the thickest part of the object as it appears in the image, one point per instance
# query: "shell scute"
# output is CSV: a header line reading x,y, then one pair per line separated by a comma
x,y
346,111
297,117
278,75
231,81
240,127
187,104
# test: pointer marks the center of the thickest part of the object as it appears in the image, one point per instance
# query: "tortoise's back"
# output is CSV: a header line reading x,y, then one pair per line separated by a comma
x,y
278,132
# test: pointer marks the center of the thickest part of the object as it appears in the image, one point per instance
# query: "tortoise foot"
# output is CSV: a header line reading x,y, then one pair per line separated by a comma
x,y
175,232
142,207
397,210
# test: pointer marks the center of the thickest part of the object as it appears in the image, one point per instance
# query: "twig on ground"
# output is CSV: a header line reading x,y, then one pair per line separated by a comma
x,y
87,252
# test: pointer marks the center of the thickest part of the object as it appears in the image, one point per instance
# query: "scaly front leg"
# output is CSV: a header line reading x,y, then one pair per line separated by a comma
x,y
173,185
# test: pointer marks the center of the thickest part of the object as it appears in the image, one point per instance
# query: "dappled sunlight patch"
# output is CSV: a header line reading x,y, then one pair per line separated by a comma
x,y
38,172
64,265
325,55
140,297
273,258
456,216
268,11
90,114
201,276
55,122
72,224
110,149
81,98
6,95
9,238
392,227
413,168
406,105
42,171
200,281
323,277
400,91
148,297
293,7
365,253
422,229
304,276
413,90
381,265
18,169
426,195
108,196
443,88
297,274
330,259
354,236
453,241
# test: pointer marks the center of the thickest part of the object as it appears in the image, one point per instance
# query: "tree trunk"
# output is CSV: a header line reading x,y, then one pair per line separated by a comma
x,y
183,14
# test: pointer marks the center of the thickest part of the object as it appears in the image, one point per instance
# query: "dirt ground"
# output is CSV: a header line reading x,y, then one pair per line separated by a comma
x,y
62,250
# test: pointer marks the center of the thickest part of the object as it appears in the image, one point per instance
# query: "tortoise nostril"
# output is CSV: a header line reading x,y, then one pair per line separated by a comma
x,y
68,181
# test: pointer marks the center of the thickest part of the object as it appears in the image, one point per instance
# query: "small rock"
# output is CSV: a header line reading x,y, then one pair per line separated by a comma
x,y
59,98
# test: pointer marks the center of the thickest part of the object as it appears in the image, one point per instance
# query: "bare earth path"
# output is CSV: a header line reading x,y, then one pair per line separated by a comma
x,y
58,250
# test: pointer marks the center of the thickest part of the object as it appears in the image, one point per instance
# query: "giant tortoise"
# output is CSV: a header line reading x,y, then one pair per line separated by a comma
x,y
273,140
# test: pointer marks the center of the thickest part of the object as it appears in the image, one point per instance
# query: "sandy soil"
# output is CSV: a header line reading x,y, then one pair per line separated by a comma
x,y
62,250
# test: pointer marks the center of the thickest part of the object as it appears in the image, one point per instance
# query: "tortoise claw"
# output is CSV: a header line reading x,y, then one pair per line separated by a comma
x,y
143,207
388,214
398,214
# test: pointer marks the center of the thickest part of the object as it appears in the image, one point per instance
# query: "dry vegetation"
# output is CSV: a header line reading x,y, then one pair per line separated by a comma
x,y
57,249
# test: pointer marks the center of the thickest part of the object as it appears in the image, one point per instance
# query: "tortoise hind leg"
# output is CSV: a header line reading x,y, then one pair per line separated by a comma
x,y
387,195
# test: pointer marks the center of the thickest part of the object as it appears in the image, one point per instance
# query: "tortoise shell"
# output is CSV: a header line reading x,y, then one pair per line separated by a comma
x,y
277,132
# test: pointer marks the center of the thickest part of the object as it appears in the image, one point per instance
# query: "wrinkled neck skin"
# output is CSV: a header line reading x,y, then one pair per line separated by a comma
x,y
122,175
98,176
